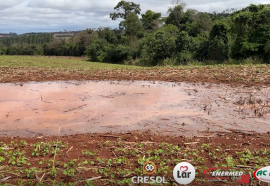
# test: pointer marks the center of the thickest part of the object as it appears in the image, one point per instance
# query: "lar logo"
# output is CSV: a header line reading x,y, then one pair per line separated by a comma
x,y
184,173
149,167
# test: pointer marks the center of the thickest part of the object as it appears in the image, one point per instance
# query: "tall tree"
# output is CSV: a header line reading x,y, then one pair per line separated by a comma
x,y
176,13
184,19
251,27
126,8
219,41
150,20
132,25
160,44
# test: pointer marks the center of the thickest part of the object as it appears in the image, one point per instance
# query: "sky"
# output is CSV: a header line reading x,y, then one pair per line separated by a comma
x,y
22,16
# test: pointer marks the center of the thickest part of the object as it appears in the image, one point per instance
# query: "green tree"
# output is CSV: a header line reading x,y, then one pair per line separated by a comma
x,y
132,25
83,39
251,27
159,45
150,20
203,23
176,14
187,19
126,8
97,50
108,34
219,41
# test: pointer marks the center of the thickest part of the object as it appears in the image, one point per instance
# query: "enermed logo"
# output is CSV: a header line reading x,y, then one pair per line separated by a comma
x,y
184,173
149,167
225,174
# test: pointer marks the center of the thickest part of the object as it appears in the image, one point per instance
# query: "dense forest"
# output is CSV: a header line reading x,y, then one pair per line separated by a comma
x,y
184,36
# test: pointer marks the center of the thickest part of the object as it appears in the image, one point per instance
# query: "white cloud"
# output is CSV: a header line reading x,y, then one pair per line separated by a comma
x,y
78,5
51,15
10,3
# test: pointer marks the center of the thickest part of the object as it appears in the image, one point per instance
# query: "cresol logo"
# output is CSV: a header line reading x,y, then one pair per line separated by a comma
x,y
262,174
149,168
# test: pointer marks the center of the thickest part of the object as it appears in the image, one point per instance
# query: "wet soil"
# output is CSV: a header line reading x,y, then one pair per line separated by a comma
x,y
112,106
224,118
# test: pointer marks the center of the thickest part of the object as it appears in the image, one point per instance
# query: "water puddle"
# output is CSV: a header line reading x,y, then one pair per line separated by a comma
x,y
112,106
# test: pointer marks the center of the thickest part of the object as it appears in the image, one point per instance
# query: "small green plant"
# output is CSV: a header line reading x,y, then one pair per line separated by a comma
x,y
69,172
35,152
83,163
46,149
30,173
100,161
2,159
17,158
41,162
88,154
54,172
109,143
49,164
88,183
72,162
23,143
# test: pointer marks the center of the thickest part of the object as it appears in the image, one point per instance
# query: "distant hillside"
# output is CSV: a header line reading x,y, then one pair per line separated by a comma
x,y
4,35
34,37
8,40
55,34
64,34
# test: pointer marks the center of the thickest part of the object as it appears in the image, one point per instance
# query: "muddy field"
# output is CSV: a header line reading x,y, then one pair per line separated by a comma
x,y
75,126
33,109
100,132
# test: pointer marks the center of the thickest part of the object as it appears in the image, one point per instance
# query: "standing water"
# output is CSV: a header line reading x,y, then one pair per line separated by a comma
x,y
112,106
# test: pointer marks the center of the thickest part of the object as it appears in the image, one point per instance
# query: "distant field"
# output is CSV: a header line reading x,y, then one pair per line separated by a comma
x,y
44,68
56,62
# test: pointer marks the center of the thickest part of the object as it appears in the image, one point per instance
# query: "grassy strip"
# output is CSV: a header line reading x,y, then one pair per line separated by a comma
x,y
56,62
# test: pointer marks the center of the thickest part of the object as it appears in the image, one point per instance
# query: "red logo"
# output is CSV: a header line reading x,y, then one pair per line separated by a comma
x,y
243,179
183,168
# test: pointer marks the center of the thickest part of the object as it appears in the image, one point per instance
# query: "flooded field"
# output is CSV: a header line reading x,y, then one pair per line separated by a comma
x,y
33,109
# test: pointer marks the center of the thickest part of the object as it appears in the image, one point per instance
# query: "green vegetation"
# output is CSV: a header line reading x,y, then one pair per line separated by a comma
x,y
54,62
185,36
24,44
124,159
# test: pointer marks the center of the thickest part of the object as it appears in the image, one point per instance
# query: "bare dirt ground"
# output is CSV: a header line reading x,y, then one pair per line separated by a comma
x,y
98,158
233,75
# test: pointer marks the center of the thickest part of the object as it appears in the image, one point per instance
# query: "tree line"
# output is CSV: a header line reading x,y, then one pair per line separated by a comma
x,y
148,39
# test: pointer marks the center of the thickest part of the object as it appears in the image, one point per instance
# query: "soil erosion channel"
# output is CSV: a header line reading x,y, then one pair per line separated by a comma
x,y
119,106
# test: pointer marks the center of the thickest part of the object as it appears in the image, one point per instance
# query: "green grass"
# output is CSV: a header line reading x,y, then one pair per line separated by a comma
x,y
60,62
54,62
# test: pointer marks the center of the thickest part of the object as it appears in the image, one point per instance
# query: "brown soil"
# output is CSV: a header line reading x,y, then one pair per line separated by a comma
x,y
112,106
233,75
248,151
108,146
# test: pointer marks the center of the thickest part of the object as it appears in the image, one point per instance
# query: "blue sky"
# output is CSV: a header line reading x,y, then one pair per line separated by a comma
x,y
22,16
